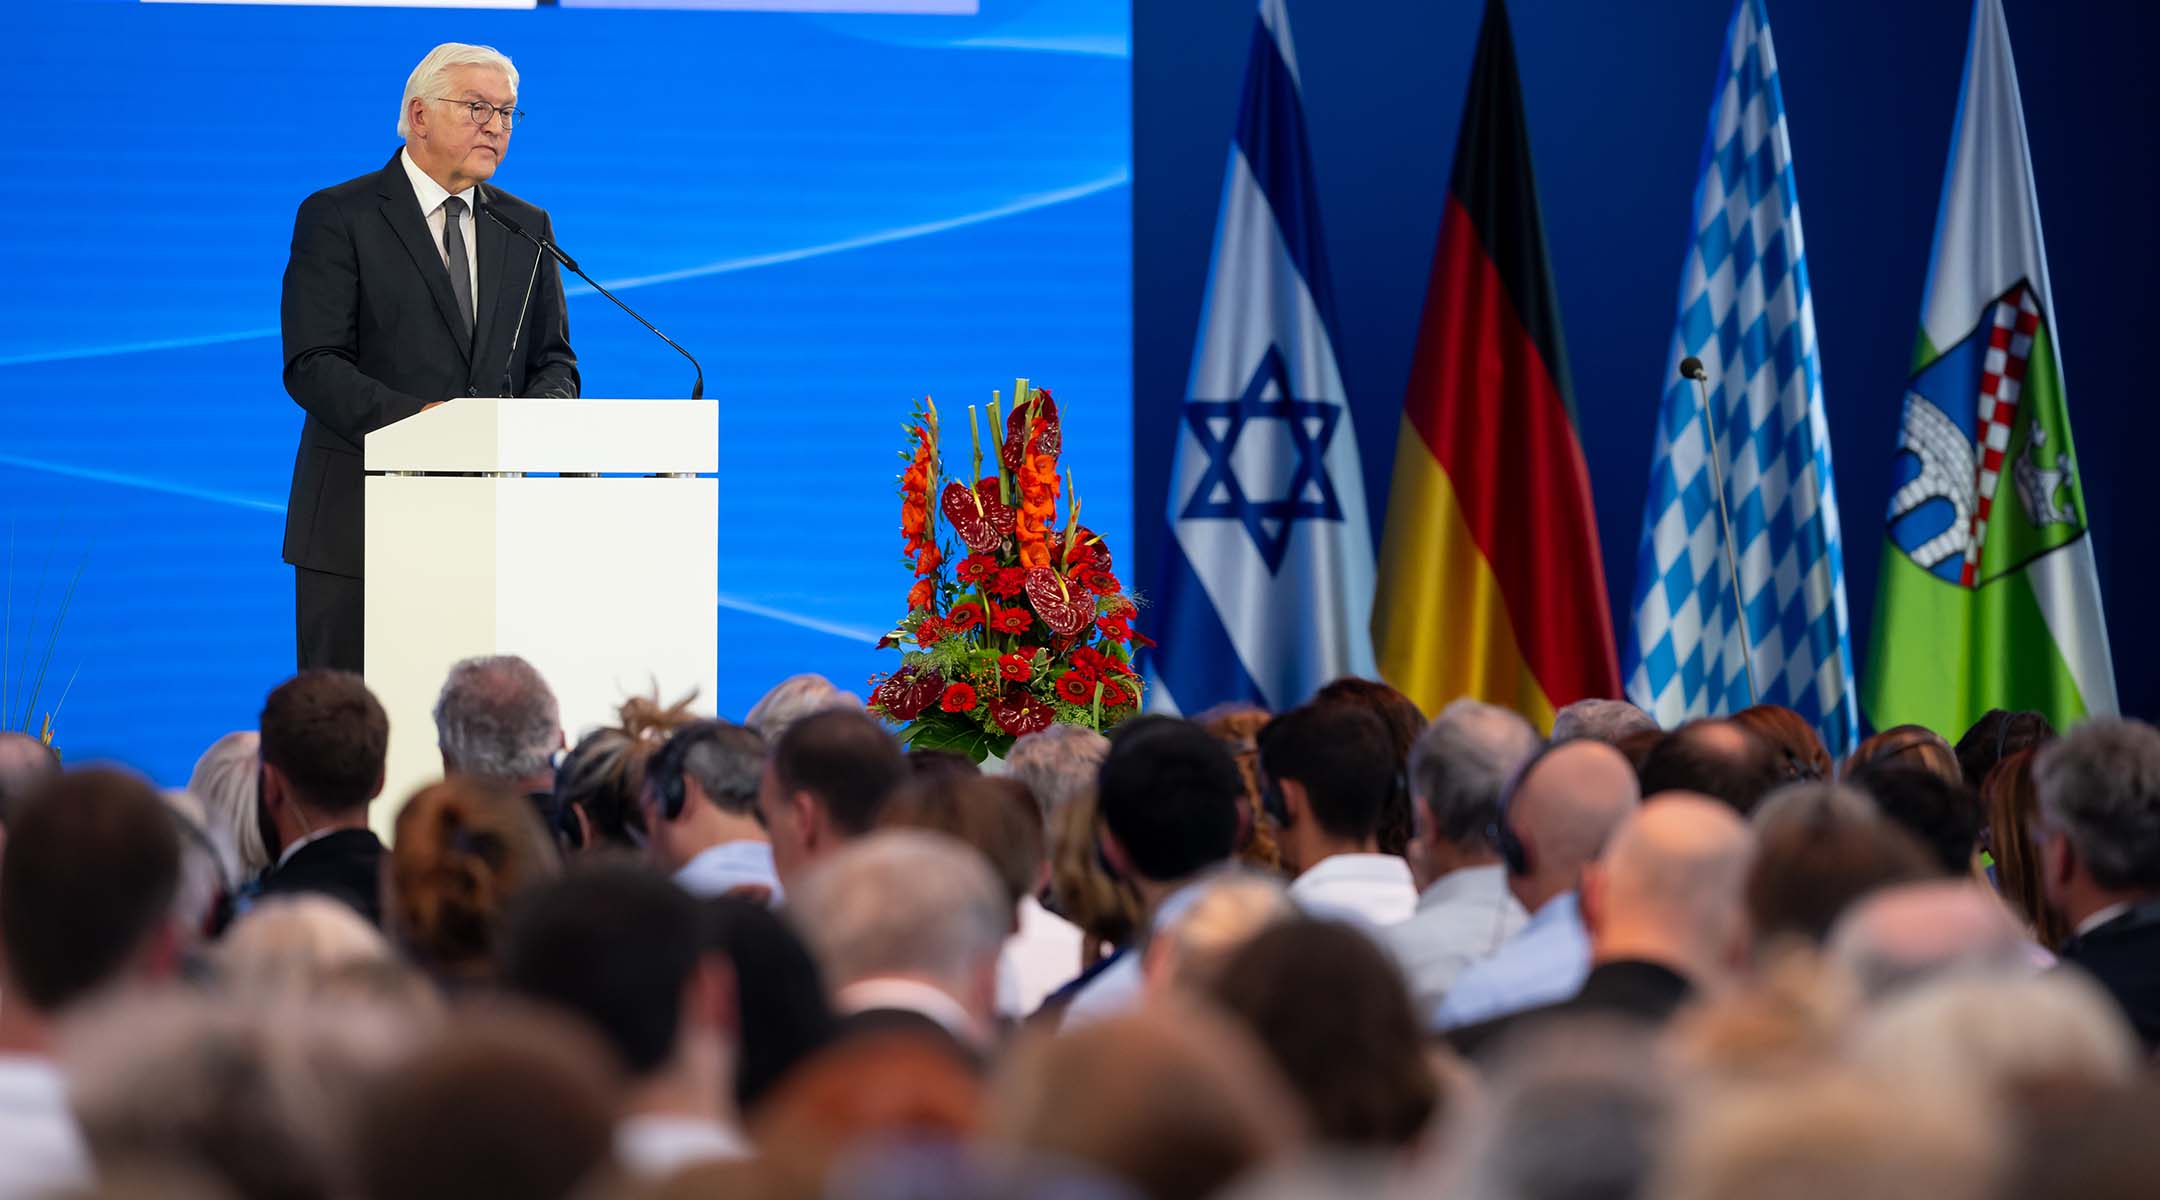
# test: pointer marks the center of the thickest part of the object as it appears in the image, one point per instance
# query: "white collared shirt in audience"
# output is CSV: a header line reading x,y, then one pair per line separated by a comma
x,y
718,870
1373,890
1037,960
653,1146
1121,984
1461,919
41,1149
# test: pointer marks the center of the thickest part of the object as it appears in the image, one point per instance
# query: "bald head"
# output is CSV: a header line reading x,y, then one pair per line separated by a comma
x,y
1917,931
1564,807
1668,887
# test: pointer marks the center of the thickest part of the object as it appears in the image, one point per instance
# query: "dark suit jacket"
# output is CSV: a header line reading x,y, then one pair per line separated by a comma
x,y
1629,989
372,334
2124,956
345,866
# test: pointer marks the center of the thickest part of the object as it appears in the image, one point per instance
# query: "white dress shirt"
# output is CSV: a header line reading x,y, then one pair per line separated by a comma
x,y
1037,960
41,1149
650,1146
1461,919
1372,890
718,870
432,196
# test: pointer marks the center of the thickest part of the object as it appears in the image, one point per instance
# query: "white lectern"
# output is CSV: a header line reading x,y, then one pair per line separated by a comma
x,y
580,534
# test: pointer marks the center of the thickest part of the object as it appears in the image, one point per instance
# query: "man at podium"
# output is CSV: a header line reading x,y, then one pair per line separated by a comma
x,y
402,294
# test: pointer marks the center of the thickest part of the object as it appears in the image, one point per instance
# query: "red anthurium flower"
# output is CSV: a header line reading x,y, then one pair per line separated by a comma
x,y
959,697
1015,668
1020,714
1075,688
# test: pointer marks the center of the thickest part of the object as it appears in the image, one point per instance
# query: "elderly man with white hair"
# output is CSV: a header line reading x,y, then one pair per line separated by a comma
x,y
402,293
497,719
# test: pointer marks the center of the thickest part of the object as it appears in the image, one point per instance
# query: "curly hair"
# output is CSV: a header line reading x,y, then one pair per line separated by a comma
x,y
464,850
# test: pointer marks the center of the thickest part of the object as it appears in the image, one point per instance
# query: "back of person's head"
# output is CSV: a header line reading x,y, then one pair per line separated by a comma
x,y
1561,808
996,816
1904,746
615,946
209,871
1462,763
497,719
936,763
2011,809
1670,883
794,698
1601,720
296,946
1082,888
844,761
2094,1147
1404,721
88,876
780,997
26,764
1331,1010
227,782
1996,736
1595,1088
501,1103
1914,932
1341,758
326,735
860,1093
1238,724
1718,758
1937,810
599,782
1168,793
2099,786
1174,1100
1801,755
464,850
906,903
1057,764
1818,848
1187,953
2029,1039
724,760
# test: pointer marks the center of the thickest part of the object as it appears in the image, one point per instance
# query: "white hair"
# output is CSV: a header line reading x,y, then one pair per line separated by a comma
x,y
794,698
227,783
2001,1032
1057,763
497,718
296,946
902,902
433,75
205,866
1232,908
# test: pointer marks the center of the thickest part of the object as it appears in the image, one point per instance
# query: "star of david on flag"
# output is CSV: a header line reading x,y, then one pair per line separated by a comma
x,y
1267,585
1746,311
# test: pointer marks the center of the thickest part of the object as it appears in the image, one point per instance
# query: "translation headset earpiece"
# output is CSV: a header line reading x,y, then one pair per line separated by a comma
x,y
666,770
1513,853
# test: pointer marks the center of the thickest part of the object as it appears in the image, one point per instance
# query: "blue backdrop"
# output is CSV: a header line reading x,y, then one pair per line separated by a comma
x,y
1617,96
837,213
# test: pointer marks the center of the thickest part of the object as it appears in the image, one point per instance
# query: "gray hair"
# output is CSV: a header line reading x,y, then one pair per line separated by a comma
x,y
902,902
1057,763
496,719
727,764
1462,762
297,946
1904,935
2002,1032
794,698
433,75
2100,785
1600,720
227,782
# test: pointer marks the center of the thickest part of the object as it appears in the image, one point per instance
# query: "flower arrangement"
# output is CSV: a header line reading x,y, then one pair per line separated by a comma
x,y
1030,626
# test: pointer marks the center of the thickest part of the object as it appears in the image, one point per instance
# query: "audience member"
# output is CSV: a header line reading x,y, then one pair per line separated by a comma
x,y
2030,1041
1464,912
1996,736
1175,1101
1722,759
1555,818
1636,747
87,880
1576,1110
625,951
700,812
867,1092
227,782
1330,772
780,998
930,763
2099,797
2093,1147
1905,746
1168,795
823,784
1330,1009
203,903
496,719
1819,847
600,783
1937,810
1902,935
501,1103
1801,755
794,698
464,852
296,946
906,926
1404,721
1601,720
1238,725
1083,890
2012,812
26,764
1187,954
1662,908
324,739
1058,765
1004,823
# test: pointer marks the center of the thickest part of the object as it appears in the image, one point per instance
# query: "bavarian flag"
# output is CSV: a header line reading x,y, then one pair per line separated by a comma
x,y
1490,581
1988,596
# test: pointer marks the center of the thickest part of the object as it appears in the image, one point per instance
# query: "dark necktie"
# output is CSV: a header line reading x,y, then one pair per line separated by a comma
x,y
453,242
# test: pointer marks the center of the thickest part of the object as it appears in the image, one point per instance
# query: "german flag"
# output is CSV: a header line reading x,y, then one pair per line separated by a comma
x,y
1491,585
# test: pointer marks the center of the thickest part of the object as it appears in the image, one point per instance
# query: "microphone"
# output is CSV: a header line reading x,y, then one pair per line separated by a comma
x,y
697,389
518,330
1691,367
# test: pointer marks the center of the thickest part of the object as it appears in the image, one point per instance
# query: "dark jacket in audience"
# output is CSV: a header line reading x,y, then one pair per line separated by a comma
x,y
345,866
2124,956
1628,989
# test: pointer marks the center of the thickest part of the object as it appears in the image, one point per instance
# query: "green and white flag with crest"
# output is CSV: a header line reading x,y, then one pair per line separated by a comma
x,y
1988,596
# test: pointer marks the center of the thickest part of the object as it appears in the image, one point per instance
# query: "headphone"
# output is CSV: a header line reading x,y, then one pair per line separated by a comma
x,y
1504,838
665,772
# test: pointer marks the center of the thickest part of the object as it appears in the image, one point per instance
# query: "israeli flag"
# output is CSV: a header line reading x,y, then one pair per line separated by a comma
x,y
1268,589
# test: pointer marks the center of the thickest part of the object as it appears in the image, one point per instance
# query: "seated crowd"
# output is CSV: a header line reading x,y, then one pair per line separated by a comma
x,y
1335,951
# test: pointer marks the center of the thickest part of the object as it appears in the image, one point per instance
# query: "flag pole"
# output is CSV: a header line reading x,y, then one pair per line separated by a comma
x,y
1692,368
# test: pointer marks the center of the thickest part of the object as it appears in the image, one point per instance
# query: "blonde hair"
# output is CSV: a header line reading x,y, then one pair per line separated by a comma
x,y
433,75
297,945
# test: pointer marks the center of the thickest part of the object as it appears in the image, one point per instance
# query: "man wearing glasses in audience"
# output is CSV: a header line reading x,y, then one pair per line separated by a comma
x,y
401,294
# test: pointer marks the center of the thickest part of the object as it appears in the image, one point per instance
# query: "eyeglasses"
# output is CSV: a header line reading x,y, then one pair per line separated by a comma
x,y
483,112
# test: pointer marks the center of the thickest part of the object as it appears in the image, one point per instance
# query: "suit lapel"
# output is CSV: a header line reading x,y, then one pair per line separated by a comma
x,y
401,208
494,293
